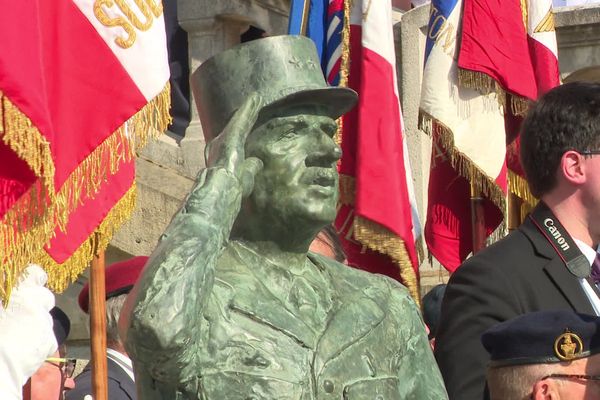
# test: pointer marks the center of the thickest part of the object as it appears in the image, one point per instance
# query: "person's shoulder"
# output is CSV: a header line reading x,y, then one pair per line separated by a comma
x,y
508,254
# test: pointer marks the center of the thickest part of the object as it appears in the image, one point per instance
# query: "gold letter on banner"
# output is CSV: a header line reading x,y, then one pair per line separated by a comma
x,y
148,8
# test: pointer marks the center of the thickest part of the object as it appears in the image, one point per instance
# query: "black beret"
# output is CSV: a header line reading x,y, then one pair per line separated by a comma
x,y
62,325
542,337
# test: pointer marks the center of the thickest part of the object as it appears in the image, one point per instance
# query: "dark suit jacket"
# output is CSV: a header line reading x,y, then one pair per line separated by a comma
x,y
517,275
120,385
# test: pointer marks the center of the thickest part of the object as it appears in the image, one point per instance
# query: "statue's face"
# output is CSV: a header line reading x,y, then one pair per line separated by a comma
x,y
299,179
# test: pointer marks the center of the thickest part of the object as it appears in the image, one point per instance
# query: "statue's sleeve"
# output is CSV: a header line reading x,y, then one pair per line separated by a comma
x,y
418,374
165,321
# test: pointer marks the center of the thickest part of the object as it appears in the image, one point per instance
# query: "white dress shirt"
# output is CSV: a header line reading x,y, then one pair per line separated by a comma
x,y
590,254
122,361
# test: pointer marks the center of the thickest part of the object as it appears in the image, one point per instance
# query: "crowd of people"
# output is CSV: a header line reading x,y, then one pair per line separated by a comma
x,y
518,320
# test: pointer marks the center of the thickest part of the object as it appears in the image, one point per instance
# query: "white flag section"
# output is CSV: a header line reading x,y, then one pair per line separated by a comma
x,y
473,122
135,32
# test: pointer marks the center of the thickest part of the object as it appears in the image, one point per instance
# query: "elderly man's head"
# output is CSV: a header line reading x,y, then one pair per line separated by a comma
x,y
55,374
544,355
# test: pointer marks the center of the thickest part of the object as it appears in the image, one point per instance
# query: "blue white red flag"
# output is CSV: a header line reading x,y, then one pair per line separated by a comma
x,y
469,143
324,25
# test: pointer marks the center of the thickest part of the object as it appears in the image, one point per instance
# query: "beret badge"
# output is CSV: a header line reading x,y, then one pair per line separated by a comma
x,y
568,346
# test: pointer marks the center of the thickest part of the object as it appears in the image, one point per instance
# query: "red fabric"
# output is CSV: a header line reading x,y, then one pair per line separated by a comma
x,y
119,278
494,42
86,218
61,74
372,146
448,230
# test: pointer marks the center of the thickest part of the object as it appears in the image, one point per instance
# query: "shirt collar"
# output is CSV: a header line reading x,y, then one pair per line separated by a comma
x,y
122,360
587,251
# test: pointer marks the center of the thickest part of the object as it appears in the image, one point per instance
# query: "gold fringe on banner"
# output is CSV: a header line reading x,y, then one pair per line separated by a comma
x,y
519,187
344,65
31,222
485,84
61,275
480,181
380,239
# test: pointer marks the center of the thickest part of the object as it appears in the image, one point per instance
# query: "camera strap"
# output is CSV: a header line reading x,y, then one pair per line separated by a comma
x,y
562,242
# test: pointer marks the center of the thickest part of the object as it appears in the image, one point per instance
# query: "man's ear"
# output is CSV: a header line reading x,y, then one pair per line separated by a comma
x,y
572,167
545,390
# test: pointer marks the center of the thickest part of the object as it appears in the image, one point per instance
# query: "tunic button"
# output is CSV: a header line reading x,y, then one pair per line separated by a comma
x,y
328,386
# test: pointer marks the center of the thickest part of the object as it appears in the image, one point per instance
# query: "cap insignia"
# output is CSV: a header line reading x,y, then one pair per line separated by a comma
x,y
568,346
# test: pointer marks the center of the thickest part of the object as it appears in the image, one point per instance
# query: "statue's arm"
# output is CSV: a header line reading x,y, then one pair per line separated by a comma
x,y
163,313
418,372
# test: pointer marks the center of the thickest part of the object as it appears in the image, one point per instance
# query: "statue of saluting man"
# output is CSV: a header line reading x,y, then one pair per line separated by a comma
x,y
231,304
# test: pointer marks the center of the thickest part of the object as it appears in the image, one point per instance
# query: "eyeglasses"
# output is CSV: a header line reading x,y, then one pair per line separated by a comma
x,y
589,152
571,376
67,365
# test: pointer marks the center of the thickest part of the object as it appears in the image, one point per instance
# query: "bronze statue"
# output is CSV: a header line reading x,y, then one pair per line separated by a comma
x,y
231,305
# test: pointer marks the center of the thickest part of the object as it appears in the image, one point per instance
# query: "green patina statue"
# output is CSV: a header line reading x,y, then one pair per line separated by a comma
x,y
231,304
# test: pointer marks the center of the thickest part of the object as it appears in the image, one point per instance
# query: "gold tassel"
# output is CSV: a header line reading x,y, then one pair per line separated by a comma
x,y
32,220
60,276
380,239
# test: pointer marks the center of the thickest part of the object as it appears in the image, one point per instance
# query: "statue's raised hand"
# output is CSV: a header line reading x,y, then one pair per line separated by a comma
x,y
227,150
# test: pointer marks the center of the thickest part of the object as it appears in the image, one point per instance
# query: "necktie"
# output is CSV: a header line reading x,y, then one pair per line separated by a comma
x,y
595,274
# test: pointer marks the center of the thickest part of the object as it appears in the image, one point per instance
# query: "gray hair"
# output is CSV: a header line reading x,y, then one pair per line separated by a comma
x,y
113,310
516,382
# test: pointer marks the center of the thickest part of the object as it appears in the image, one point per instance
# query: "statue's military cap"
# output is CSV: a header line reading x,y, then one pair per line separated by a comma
x,y
282,70
542,337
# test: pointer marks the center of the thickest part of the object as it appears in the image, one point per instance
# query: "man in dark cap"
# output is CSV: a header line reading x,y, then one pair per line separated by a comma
x,y
544,355
55,376
120,278
231,304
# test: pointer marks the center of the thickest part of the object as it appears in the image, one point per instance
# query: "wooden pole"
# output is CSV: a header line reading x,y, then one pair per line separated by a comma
x,y
27,390
514,211
305,11
477,219
98,328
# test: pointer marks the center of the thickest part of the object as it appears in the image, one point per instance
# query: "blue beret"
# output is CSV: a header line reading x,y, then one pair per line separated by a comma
x,y
542,337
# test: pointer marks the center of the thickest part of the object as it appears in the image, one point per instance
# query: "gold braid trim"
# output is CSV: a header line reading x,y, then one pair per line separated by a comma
x,y
61,275
380,239
31,222
464,166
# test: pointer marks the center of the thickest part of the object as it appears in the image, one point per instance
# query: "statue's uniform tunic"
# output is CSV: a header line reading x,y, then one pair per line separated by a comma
x,y
325,332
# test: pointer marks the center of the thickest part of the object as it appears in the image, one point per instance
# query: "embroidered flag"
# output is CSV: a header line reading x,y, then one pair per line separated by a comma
x,y
469,144
515,57
377,220
80,94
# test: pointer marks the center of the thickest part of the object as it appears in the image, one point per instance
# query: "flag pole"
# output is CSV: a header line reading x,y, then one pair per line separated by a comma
x,y
477,219
305,10
98,327
27,390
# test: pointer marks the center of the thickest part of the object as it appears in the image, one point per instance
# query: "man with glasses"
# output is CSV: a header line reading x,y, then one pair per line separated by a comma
x,y
56,374
546,263
544,355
